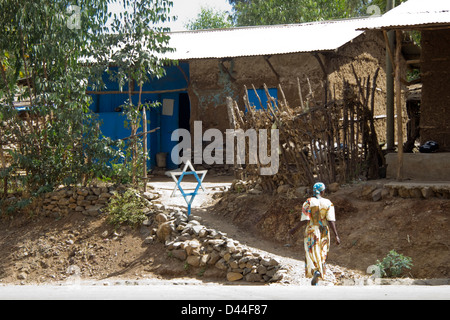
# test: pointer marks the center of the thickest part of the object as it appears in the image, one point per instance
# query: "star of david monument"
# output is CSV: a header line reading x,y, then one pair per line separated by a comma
x,y
188,196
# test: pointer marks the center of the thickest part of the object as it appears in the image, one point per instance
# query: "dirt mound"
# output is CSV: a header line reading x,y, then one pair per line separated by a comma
x,y
45,249
417,228
48,249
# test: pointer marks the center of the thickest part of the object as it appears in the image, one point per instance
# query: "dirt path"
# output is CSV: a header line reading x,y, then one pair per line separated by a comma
x,y
46,249
290,255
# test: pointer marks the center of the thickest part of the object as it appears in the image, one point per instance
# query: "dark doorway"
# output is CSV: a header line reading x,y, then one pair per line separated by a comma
x,y
184,112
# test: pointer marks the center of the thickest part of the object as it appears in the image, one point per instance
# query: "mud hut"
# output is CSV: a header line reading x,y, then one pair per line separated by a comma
x,y
432,20
316,56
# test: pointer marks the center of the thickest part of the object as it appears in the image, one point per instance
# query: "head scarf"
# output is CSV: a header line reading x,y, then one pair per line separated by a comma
x,y
318,188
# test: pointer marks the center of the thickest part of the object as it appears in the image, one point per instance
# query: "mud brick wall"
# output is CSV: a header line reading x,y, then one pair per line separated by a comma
x,y
213,80
435,106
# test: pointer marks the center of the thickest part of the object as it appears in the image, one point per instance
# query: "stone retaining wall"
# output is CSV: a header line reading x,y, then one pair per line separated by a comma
x,y
88,200
188,240
376,191
185,238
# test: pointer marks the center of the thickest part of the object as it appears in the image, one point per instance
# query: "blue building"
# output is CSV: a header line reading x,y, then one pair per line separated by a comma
x,y
173,112
307,60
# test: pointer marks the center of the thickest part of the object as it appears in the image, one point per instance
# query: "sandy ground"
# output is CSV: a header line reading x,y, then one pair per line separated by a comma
x,y
45,250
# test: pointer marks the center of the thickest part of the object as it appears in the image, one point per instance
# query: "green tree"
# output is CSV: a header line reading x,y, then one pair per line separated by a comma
x,y
208,18
135,46
269,12
41,47
51,52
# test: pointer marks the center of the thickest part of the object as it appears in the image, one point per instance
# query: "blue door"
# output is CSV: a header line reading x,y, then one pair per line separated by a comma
x,y
169,123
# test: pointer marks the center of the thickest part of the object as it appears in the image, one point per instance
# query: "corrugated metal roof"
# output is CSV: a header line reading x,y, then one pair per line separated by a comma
x,y
265,40
414,13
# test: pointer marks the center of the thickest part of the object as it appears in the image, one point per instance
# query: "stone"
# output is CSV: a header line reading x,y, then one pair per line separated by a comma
x,y
197,228
192,247
161,218
261,269
253,277
227,256
231,248
403,192
91,198
271,272
279,275
176,245
301,191
204,259
83,203
415,193
180,254
377,195
105,195
193,260
367,190
427,192
22,276
233,264
202,233
333,187
255,191
149,239
192,223
283,188
274,262
164,231
63,202
221,264
269,262
94,211
147,222
265,262
214,257
234,276
72,206
216,242
393,192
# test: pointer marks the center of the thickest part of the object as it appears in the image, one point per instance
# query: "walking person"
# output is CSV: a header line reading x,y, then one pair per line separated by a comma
x,y
318,212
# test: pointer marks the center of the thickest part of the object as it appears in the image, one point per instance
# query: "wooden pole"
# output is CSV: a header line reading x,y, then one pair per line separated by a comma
x,y
390,100
300,94
398,101
231,116
144,124
5,178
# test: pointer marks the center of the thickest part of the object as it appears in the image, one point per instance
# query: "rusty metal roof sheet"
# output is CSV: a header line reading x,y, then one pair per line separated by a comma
x,y
413,14
265,40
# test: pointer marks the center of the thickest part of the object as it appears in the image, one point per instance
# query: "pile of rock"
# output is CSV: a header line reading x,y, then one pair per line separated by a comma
x,y
419,190
254,187
377,191
188,240
88,200
185,238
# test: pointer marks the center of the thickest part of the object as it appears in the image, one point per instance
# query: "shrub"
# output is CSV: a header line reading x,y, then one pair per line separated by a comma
x,y
126,208
394,264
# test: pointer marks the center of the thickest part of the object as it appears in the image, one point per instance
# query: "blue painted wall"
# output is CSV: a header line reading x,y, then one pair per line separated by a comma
x,y
253,99
112,121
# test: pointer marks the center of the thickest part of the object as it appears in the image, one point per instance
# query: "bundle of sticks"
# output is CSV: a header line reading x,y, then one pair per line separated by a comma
x,y
332,142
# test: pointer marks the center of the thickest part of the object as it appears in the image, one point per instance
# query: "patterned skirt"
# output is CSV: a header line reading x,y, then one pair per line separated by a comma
x,y
317,245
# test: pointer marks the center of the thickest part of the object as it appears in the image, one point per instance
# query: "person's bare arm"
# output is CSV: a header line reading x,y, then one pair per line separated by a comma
x,y
298,225
333,227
